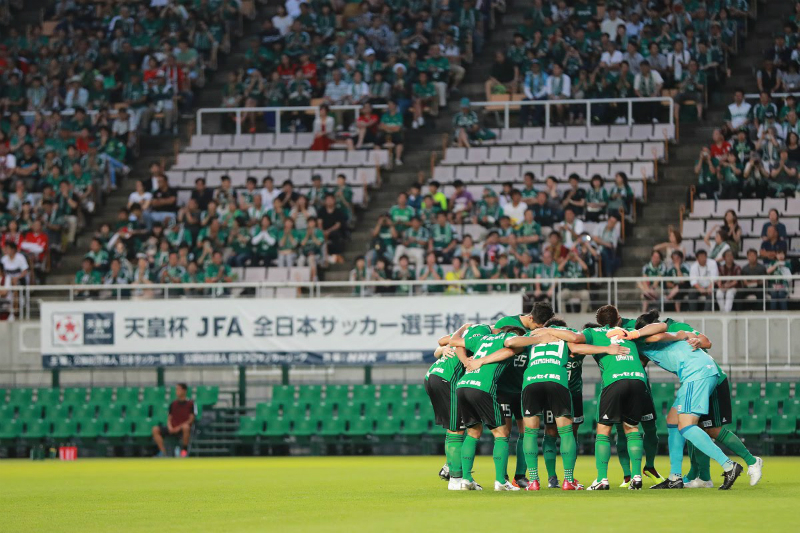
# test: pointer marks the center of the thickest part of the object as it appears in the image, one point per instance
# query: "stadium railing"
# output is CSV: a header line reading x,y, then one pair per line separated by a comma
x,y
504,106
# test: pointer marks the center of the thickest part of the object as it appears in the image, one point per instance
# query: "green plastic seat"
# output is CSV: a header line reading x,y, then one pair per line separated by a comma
x,y
377,410
48,396
792,407
294,411
10,429
110,411
282,395
206,395
337,394
267,411
137,411
90,429
765,408
84,412
385,427
3,395
349,410
414,426
190,394
57,412
143,428
426,412
663,392
101,395
748,390
118,428
6,412
661,427
589,411
391,394
250,426
364,393
30,412
74,396
753,425
154,395
404,410
159,412
321,411
36,429
277,428
416,393
587,428
332,427
304,427
20,397
127,395
309,394
359,427
778,391
64,429
598,388
740,409
782,425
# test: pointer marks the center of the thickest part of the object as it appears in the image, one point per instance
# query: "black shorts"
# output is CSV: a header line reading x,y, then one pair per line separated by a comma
x,y
626,400
538,398
511,405
478,406
649,413
577,408
719,407
394,138
445,405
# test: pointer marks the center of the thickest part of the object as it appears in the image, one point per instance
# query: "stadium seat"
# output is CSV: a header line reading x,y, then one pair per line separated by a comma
x,y
661,427
142,428
792,407
416,393
392,394
782,425
250,426
359,427
364,393
753,425
267,411
127,395
110,411
118,428
90,428
765,408
589,411
304,427
309,394
336,394
778,391
3,395
377,410
74,396
30,412
748,391
413,426
84,412
740,409
36,429
598,388
321,411
332,427
277,428
426,411
101,395
137,411
10,429
404,410
57,412
282,395
48,396
154,395
386,427
294,411
64,429
663,393
206,395
159,412
349,410
20,397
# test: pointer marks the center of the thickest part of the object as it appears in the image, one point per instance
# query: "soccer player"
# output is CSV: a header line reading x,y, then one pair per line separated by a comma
x,y
477,398
440,384
623,399
718,414
509,391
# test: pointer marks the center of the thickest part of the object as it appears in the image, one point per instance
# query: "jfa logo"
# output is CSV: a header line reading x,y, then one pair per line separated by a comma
x,y
67,329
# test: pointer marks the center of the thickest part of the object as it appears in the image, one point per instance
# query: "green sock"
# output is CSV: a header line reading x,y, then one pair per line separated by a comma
x,y
453,452
635,450
520,469
531,446
569,451
468,457
602,454
549,451
703,465
650,441
500,456
694,468
735,445
622,451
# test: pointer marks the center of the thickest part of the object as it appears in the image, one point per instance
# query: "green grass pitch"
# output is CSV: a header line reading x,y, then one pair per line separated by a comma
x,y
356,494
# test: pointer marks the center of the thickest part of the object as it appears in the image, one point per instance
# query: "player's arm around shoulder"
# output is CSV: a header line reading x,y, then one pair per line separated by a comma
x,y
564,334
495,357
588,349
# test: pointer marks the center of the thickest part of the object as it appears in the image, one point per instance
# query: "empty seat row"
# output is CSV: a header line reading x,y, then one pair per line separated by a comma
x,y
543,153
245,141
751,227
578,134
341,393
64,429
561,171
751,207
298,176
23,397
477,190
281,159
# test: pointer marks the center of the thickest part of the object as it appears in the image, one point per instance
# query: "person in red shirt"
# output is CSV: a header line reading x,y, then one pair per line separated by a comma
x,y
309,70
286,69
35,242
182,413
720,147
367,126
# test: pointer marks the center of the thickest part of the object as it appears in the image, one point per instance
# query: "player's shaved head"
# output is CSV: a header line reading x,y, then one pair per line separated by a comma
x,y
647,318
541,312
607,316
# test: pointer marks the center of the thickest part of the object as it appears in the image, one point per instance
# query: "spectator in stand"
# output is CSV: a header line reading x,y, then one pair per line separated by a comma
x,y
607,236
164,203
774,222
672,245
678,290
360,273
573,267
737,115
727,289
180,418
752,288
771,244
414,243
719,147
503,77
706,171
647,84
391,126
701,273
651,288
333,222
366,126
783,178
781,268
720,244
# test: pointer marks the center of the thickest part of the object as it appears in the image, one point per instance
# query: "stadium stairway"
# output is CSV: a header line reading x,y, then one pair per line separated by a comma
x,y
420,143
671,191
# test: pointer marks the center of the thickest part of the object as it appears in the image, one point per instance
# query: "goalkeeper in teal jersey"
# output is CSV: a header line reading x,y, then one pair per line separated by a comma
x,y
509,394
719,414
698,375
476,393
440,384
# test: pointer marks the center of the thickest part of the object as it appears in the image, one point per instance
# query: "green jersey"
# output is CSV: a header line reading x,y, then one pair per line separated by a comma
x,y
674,327
547,362
450,369
615,368
513,320
486,377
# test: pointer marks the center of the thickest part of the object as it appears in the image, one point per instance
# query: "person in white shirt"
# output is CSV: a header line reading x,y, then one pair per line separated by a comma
x,y
571,228
612,57
293,7
282,20
633,57
700,278
515,209
268,191
8,162
558,88
611,23
647,84
140,196
677,60
15,264
737,115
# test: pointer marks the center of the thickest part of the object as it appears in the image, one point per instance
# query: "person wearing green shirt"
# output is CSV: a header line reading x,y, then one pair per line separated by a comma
x,y
677,290
477,398
216,271
466,125
438,68
650,288
87,275
403,272
431,271
98,255
442,241
424,98
401,213
288,244
312,241
264,242
547,269
415,242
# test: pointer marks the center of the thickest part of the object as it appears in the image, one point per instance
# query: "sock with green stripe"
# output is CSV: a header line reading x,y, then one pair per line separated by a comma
x,y
693,466
734,444
520,467
453,443
531,445
602,454
550,452
650,442
569,451
468,457
622,452
500,457
635,450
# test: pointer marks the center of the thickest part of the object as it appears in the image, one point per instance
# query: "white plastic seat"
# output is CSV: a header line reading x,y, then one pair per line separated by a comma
x,y
625,167
292,159
250,160
554,135
348,173
185,161
512,171
302,141
693,228
607,152
586,152
542,153
239,177
749,207
498,155
575,168
630,152
532,135
477,155
222,142
271,158
465,173
443,174
284,141
300,274
228,160
336,158
536,169
455,156
208,160
255,274
280,175
642,132
511,135
488,173
564,152
776,203
653,147
277,274
703,208
313,158
575,134
618,133
263,141
648,167
302,176
190,176
214,178
597,168
793,206
597,134
520,154
553,169
355,158
725,205
200,143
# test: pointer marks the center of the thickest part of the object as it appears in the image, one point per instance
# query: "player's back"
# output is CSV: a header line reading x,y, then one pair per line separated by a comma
x,y
485,378
615,367
680,359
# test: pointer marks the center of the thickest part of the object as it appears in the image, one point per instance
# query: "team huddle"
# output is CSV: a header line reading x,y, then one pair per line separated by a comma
x,y
529,368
